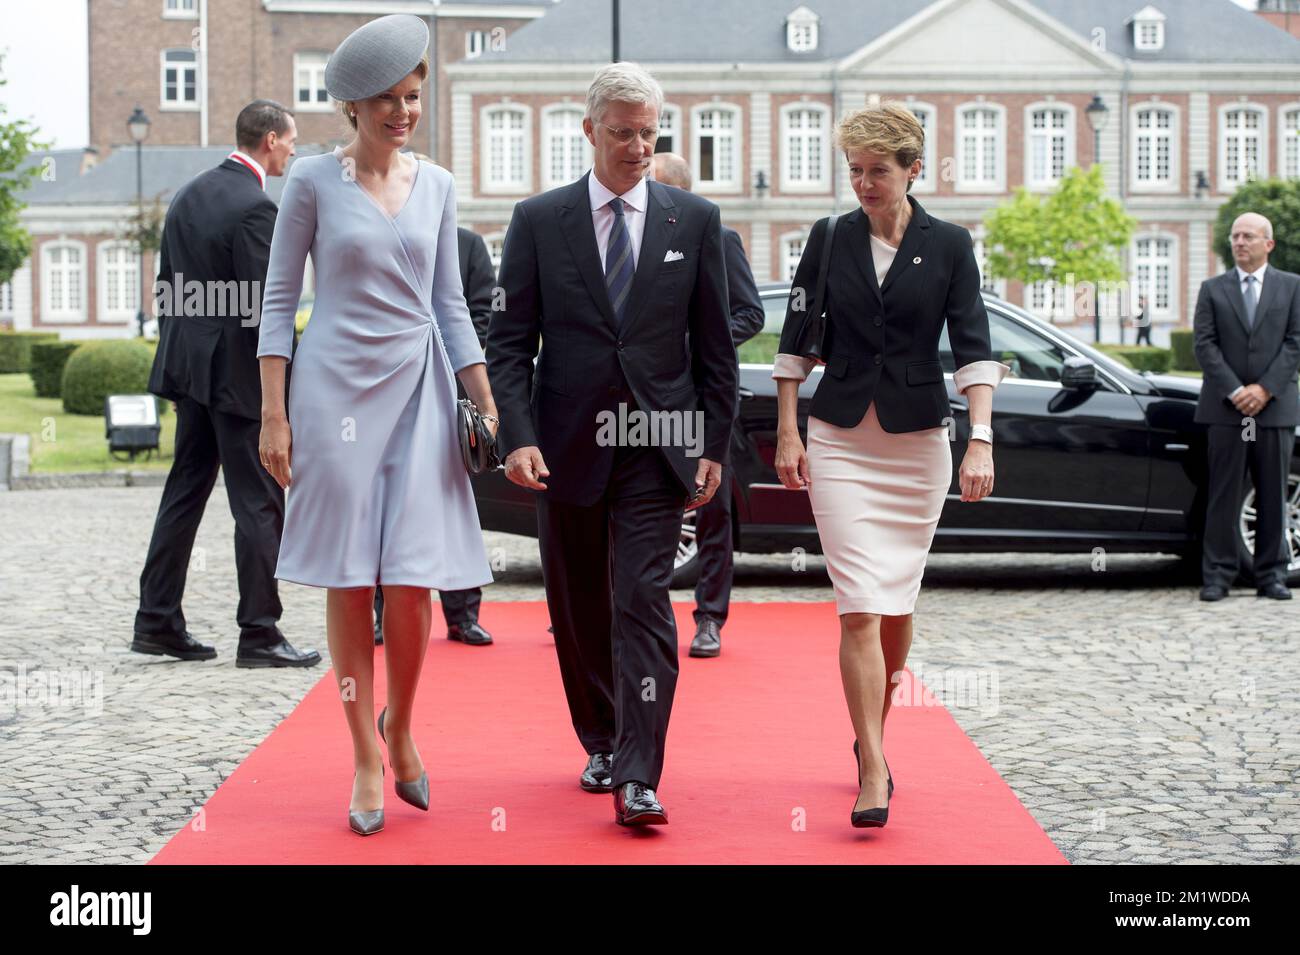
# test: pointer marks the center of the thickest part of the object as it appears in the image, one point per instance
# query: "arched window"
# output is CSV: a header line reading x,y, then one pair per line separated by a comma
x,y
716,140
119,281
791,252
805,150
1049,143
1155,147
505,149
981,148
1243,145
63,281
567,154
1154,274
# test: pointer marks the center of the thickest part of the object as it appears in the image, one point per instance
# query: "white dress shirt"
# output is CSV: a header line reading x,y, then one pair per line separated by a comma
x,y
602,216
1259,288
256,166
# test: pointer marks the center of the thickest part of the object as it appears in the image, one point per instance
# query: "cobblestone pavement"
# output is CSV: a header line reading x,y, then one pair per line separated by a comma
x,y
1135,723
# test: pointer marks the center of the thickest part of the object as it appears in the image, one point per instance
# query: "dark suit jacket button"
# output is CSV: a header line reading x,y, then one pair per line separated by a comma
x,y
619,345
879,321
879,359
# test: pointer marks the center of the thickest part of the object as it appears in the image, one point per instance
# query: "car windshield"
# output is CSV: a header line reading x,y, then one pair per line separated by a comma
x,y
1013,332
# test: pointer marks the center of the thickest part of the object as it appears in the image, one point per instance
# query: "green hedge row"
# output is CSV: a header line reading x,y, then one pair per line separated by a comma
x,y
1141,357
102,368
47,363
1182,344
16,350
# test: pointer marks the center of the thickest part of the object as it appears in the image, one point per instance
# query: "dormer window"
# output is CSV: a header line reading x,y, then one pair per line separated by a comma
x,y
1148,30
801,30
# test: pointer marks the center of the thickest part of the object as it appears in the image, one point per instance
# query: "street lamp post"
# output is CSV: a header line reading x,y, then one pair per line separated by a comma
x,y
138,126
1097,113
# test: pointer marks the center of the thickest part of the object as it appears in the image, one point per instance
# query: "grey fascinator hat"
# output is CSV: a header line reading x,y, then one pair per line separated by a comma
x,y
376,56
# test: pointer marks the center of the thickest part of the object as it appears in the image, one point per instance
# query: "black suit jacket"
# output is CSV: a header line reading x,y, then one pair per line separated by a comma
x,y
217,230
1231,354
744,303
674,353
476,278
882,340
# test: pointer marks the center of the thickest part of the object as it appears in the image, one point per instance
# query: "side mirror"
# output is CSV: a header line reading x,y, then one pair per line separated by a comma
x,y
1079,373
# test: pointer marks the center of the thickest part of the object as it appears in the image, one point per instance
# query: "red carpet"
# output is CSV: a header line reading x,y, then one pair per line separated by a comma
x,y
760,742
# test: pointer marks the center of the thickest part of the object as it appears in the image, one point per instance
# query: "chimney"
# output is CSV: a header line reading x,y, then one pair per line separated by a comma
x,y
1283,14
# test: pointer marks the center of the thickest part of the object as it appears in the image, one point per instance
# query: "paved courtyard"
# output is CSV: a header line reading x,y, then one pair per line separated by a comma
x,y
1135,723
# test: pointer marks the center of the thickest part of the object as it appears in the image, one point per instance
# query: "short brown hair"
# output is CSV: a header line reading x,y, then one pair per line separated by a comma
x,y
888,127
347,107
258,118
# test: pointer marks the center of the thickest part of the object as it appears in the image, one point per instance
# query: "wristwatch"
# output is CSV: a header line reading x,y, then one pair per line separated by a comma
x,y
981,432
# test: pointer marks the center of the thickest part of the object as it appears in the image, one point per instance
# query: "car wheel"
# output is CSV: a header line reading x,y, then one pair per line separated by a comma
x,y
1246,533
686,563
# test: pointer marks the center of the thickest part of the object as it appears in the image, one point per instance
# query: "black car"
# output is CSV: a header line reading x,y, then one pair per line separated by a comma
x,y
1089,453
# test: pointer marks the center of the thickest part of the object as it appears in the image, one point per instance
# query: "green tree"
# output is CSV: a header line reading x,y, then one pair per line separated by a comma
x,y
17,142
1072,235
1278,201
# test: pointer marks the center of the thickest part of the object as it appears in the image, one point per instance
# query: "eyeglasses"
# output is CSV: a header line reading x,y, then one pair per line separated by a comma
x,y
624,134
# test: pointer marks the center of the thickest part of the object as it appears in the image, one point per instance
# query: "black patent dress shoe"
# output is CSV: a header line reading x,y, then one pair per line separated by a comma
x,y
708,639
1275,590
182,647
598,776
470,633
1212,592
635,804
280,654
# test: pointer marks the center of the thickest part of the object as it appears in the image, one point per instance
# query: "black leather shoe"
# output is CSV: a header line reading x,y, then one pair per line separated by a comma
x,y
470,633
1276,590
1212,592
280,654
597,777
635,804
708,639
182,647
379,635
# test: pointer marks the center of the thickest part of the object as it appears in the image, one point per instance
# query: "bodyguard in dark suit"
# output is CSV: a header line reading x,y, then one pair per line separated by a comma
x,y
625,284
460,607
713,538
1247,328
218,234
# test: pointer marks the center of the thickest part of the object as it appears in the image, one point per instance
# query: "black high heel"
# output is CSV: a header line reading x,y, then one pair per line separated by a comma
x,y
870,818
858,757
415,792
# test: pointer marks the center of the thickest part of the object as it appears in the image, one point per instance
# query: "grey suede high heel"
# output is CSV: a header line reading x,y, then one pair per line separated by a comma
x,y
366,822
416,792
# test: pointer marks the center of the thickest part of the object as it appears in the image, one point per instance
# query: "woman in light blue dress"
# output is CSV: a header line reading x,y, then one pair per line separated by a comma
x,y
367,447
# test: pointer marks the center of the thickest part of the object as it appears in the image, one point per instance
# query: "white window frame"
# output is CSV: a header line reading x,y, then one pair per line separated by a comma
x,y
997,286
1230,185
796,39
1140,42
487,185
999,182
77,314
822,182
926,181
1053,291
736,184
1172,185
9,299
1171,313
497,241
1031,134
1283,136
678,145
790,263
104,311
180,9
312,61
178,106
549,133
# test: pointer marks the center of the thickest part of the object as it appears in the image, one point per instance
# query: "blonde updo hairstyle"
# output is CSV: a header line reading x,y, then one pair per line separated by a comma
x,y
889,127
347,107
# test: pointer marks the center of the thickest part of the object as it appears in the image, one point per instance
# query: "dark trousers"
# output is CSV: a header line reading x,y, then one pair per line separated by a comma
x,y
459,607
607,569
1267,459
205,440
713,539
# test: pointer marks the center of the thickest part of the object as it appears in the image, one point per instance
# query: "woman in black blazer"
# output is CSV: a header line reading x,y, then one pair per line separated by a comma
x,y
879,462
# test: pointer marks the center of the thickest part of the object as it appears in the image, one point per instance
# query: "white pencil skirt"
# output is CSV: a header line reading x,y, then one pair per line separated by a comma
x,y
876,498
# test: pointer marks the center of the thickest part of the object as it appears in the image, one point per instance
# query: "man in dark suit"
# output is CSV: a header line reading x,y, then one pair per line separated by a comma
x,y
478,279
713,538
625,283
1247,328
217,238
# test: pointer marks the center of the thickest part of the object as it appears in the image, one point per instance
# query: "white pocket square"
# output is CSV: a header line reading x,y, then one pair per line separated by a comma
x,y
673,256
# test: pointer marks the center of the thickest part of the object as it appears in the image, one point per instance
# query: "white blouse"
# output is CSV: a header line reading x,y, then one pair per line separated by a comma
x,y
882,256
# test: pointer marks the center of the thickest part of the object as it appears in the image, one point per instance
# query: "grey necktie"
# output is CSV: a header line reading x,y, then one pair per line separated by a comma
x,y
1251,300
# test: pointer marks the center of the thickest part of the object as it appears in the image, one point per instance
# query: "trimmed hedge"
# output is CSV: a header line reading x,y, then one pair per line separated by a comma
x,y
102,368
48,359
1141,357
16,349
1182,342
